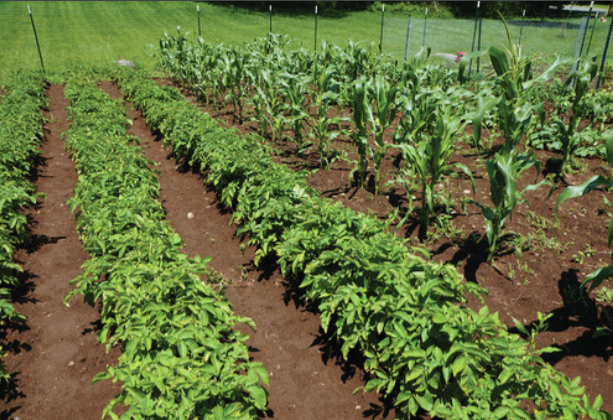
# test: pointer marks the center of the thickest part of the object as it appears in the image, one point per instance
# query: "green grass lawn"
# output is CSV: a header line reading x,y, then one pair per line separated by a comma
x,y
96,33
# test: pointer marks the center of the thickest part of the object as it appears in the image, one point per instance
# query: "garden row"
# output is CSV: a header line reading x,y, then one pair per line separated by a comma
x,y
404,315
181,355
20,134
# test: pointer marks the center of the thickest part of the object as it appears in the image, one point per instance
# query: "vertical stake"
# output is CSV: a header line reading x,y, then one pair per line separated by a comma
x,y
479,43
198,11
604,56
270,10
425,24
589,44
587,25
470,66
406,44
381,35
521,28
315,43
36,38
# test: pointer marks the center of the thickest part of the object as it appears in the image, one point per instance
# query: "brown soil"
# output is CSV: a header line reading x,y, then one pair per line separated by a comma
x,y
546,278
55,355
306,382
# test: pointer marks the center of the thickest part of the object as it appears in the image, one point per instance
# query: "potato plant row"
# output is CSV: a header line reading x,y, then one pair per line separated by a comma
x,y
21,131
181,355
404,314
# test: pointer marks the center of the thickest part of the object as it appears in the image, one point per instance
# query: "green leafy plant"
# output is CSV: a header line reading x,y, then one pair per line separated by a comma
x,y
181,354
404,314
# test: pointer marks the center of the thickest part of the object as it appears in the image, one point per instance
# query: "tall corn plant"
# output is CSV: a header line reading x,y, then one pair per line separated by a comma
x,y
295,89
327,91
382,118
357,97
428,160
503,171
237,82
514,80
271,97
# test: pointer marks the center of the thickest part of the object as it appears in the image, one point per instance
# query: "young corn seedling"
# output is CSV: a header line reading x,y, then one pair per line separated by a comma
x,y
503,171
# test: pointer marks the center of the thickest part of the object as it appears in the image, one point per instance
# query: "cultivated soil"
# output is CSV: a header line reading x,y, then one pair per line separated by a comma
x,y
545,276
55,356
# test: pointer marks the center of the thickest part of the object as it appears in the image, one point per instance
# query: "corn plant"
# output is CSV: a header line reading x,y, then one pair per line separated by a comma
x,y
357,95
270,95
569,136
514,82
382,118
428,160
503,171
327,91
295,89
237,82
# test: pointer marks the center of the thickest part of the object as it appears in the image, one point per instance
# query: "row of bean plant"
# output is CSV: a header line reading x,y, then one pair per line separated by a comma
x,y
21,131
181,354
405,315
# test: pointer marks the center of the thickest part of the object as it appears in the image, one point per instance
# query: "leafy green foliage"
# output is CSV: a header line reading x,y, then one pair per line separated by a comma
x,y
404,314
182,356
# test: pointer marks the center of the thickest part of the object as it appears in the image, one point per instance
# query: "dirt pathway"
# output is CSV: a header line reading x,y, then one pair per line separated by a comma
x,y
302,385
55,358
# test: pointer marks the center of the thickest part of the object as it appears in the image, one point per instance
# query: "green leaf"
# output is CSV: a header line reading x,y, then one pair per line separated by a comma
x,y
597,277
582,189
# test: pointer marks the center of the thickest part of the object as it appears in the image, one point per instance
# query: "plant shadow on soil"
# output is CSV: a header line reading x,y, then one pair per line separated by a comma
x,y
10,392
578,309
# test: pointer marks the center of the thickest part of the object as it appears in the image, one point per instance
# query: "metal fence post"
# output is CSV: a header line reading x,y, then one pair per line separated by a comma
x,y
604,56
40,55
381,35
406,44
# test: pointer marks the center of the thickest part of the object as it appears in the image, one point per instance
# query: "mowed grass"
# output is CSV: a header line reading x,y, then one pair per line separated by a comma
x,y
96,33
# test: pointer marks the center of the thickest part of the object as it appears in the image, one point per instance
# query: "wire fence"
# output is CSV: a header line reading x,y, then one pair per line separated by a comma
x,y
102,32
